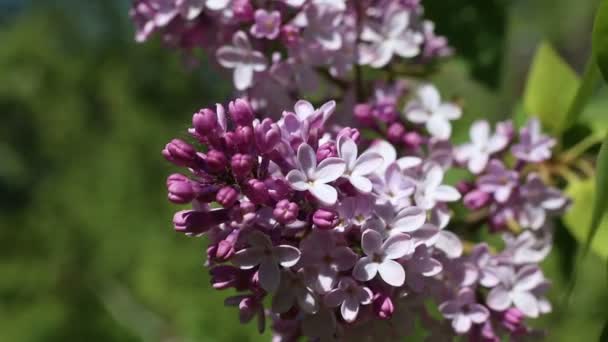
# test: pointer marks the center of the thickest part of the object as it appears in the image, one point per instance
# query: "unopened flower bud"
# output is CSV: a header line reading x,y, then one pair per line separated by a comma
x,y
383,306
326,150
512,319
285,212
180,189
267,135
476,199
205,121
192,222
363,113
413,140
216,161
395,132
241,165
290,35
227,196
256,191
180,153
241,112
244,136
242,10
349,132
325,219
278,189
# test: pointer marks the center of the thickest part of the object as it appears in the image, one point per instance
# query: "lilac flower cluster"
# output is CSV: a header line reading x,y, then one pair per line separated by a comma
x,y
352,243
280,50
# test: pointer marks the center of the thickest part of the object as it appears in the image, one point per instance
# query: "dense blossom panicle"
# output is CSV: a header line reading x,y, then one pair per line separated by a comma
x,y
343,237
345,229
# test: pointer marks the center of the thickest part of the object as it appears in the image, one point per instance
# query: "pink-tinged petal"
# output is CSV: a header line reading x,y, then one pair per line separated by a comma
x,y
347,150
329,170
326,194
398,246
449,111
526,303
439,127
478,313
269,275
365,269
429,96
397,22
433,176
383,54
464,152
364,295
257,61
304,109
367,163
371,242
418,116
528,277
287,255
216,5
297,180
326,279
386,150
409,219
489,278
497,143
480,132
499,298
344,258
362,184
349,310
328,109
307,159
241,41
308,302
248,258
243,76
229,56
450,309
544,306
461,324
221,116
431,268
334,297
446,193
449,243
392,272
478,162
408,162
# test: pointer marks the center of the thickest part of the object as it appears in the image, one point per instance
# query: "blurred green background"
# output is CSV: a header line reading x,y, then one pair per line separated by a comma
x,y
87,252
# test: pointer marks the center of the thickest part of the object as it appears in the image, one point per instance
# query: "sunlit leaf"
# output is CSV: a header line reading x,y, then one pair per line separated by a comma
x,y
600,206
600,38
591,77
551,88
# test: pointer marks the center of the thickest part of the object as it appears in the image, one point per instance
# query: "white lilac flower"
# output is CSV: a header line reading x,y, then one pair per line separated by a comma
x,y
261,252
391,37
529,247
464,311
516,288
429,190
538,200
393,187
483,145
320,26
292,290
429,110
314,178
380,257
533,146
349,296
357,168
390,221
241,57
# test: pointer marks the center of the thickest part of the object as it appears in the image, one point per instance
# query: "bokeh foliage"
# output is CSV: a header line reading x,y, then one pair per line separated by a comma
x,y
86,248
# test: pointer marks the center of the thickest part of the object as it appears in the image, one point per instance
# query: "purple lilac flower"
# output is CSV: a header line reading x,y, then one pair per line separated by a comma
x,y
349,296
533,146
515,288
464,311
477,153
429,110
241,57
267,24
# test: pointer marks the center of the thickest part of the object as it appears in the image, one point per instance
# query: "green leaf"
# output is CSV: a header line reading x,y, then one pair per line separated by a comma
x,y
604,335
551,88
594,116
578,219
600,206
591,77
600,38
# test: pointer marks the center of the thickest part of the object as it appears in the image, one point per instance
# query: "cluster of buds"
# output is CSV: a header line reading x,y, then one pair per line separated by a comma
x,y
281,50
352,243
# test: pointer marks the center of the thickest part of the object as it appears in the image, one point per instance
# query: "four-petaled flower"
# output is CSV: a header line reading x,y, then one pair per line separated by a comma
x,y
464,311
429,110
533,147
261,252
429,191
483,145
349,296
517,288
314,178
380,257
358,168
267,24
241,57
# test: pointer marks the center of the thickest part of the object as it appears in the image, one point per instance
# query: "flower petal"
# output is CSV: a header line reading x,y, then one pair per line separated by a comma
x,y
449,243
429,96
269,275
334,297
446,193
367,163
326,194
526,303
478,313
528,277
229,56
362,184
307,159
243,76
297,180
371,242
408,219
347,150
304,109
365,269
498,299
397,246
461,323
439,127
349,309
287,255
248,258
480,133
449,111
329,170
392,272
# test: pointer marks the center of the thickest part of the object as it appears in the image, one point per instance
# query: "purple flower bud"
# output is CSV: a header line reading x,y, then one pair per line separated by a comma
x,y
325,219
267,135
205,121
476,199
225,248
465,187
216,161
256,191
227,196
242,10
180,153
206,193
241,112
326,150
385,113
226,276
192,222
290,35
180,189
241,165
413,140
512,319
395,132
363,113
349,132
278,189
244,137
383,306
506,129
285,212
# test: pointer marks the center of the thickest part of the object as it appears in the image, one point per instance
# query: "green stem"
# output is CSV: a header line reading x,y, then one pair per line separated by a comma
x,y
580,147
